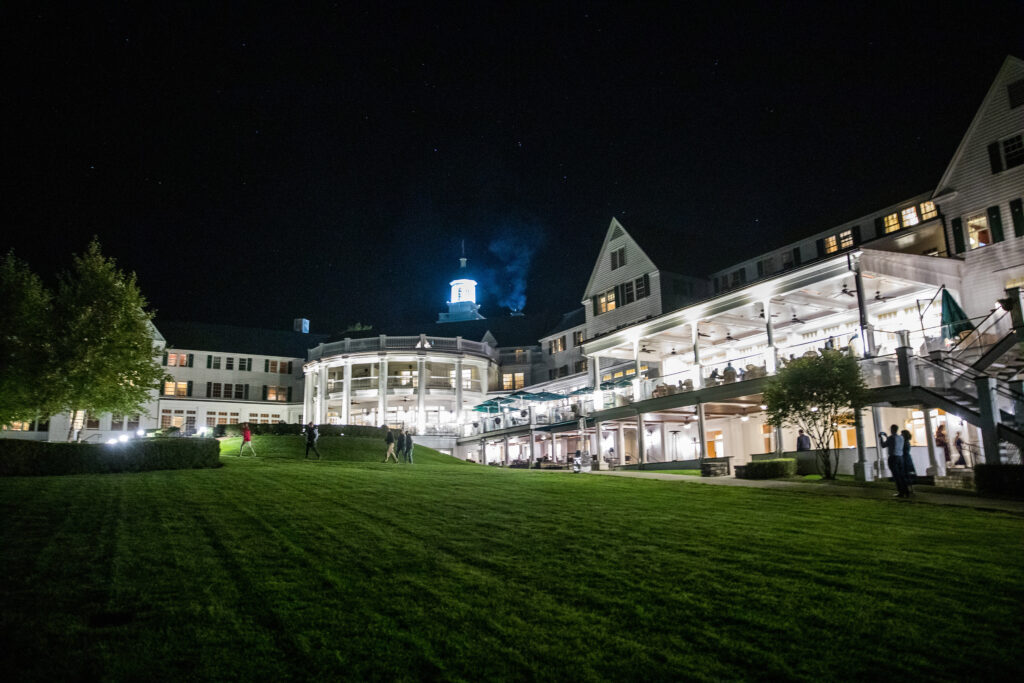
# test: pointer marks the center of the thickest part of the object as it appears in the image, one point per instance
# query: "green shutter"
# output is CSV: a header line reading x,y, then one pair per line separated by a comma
x,y
245,395
266,366
1017,214
820,244
995,158
995,224
209,361
289,394
209,389
289,367
264,392
189,391
191,358
593,301
164,361
879,226
958,235
855,230
796,256
647,284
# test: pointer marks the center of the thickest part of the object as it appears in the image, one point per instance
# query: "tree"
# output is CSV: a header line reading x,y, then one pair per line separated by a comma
x,y
26,388
103,340
817,394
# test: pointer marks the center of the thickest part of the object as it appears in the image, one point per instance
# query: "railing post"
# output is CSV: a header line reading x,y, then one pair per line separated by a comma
x,y
1018,401
988,406
861,470
903,353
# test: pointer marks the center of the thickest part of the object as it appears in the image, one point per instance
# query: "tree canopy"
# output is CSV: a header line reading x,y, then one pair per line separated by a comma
x,y
91,342
817,394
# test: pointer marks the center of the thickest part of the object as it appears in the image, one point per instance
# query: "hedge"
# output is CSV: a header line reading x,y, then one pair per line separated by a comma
x,y
1002,480
284,429
19,457
769,469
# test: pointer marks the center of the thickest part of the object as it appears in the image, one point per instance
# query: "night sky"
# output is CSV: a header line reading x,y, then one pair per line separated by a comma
x,y
262,162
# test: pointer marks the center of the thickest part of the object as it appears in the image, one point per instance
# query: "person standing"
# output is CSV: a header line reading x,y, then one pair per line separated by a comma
x,y
408,447
246,440
958,442
803,442
312,434
909,471
894,447
400,445
389,442
942,441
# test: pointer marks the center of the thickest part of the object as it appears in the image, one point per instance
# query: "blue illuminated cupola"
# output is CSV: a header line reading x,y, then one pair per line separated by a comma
x,y
462,305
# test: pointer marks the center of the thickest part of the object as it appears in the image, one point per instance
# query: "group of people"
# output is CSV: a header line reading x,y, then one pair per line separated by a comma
x,y
901,465
398,444
942,441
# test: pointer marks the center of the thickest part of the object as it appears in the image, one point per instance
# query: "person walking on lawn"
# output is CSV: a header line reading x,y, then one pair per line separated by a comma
x,y
408,447
909,471
389,441
894,446
312,434
246,440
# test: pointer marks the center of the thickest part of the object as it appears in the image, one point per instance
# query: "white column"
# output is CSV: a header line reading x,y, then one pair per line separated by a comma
x,y
698,378
664,443
421,395
458,390
307,396
701,432
595,381
321,409
772,359
640,440
346,393
620,449
637,381
382,391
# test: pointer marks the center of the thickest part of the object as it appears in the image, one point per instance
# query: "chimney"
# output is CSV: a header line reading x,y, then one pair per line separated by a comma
x,y
300,325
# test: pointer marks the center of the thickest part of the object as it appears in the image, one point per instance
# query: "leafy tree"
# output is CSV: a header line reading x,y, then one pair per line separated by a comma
x,y
103,339
817,394
26,390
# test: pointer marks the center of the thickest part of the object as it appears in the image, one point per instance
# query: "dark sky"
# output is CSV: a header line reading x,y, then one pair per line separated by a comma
x,y
258,163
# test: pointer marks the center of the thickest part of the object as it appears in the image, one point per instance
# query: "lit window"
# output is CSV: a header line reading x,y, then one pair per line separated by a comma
x,y
892,223
277,393
606,301
580,366
846,239
577,338
910,216
978,234
556,345
1013,151
272,366
520,380
928,210
18,426
831,244
618,258
177,359
215,390
175,388
507,381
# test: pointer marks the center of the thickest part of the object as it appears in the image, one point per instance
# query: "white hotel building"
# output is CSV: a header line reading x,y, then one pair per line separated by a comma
x,y
636,374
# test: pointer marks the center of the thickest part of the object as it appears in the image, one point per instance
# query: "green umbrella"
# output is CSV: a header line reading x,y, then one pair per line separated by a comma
x,y
547,396
954,320
582,390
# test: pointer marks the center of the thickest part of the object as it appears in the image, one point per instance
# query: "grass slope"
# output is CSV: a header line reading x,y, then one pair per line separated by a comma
x,y
274,569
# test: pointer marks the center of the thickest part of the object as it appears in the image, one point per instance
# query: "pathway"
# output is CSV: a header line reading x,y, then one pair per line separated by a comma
x,y
931,495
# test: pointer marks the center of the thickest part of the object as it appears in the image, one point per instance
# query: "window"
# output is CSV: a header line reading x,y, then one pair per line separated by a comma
x,y
928,210
556,345
892,223
738,278
978,234
18,426
165,418
627,293
272,367
214,362
277,393
520,355
175,388
229,363
214,391
1013,151
846,239
177,360
116,422
618,258
519,380
507,381
245,364
1015,93
580,366
233,418
787,260
831,244
643,287
133,423
211,419
577,337
766,266
910,216
606,301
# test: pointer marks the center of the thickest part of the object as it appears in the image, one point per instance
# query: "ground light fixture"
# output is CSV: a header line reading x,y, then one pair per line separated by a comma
x,y
140,432
122,438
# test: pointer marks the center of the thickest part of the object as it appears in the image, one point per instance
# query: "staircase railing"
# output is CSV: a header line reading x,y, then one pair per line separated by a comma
x,y
986,332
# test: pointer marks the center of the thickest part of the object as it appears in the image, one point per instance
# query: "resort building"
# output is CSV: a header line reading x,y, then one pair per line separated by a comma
x,y
661,368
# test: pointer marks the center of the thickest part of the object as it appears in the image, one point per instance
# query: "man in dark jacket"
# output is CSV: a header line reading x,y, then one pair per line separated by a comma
x,y
408,447
389,441
312,434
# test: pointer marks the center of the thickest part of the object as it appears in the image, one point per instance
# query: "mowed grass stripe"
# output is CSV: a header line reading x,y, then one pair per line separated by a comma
x,y
273,567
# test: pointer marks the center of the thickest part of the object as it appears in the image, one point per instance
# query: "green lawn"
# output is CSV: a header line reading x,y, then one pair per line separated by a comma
x,y
272,568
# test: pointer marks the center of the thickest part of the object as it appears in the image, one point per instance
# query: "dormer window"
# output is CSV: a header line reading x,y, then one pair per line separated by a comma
x,y
928,210
910,217
892,223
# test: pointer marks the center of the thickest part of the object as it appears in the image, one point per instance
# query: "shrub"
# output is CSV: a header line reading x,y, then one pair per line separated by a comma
x,y
19,457
768,469
1002,480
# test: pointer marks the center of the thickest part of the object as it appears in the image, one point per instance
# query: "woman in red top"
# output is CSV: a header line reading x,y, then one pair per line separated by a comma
x,y
246,439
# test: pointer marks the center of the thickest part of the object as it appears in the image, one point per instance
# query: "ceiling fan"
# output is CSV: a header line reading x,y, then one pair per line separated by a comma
x,y
879,297
847,291
729,337
644,349
795,319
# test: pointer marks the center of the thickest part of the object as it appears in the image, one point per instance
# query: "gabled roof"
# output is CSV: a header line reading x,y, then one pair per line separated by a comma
x,y
506,330
231,339
615,231
569,320
1009,64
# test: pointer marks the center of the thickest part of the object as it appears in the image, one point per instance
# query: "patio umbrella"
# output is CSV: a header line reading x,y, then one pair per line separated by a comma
x,y
547,396
954,320
582,390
